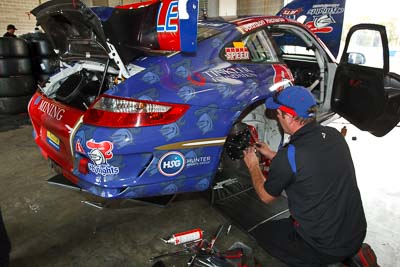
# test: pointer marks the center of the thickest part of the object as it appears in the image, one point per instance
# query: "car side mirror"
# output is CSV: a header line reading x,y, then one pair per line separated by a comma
x,y
356,58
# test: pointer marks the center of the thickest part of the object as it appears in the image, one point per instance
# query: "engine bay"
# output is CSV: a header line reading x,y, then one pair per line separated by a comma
x,y
80,84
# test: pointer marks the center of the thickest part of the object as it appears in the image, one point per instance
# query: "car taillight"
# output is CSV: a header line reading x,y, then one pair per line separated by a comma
x,y
111,111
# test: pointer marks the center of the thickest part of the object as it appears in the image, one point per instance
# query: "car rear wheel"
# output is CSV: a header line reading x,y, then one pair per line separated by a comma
x,y
233,193
232,176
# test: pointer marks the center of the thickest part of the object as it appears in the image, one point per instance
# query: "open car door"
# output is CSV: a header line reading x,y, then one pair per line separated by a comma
x,y
364,91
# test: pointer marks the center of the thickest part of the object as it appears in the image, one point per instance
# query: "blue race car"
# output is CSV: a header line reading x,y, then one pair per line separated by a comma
x,y
148,100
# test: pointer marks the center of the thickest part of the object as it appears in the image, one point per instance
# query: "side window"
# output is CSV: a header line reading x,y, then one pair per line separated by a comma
x,y
365,48
290,44
303,56
255,47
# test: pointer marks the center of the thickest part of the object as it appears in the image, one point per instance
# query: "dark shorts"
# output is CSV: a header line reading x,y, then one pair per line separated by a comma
x,y
280,239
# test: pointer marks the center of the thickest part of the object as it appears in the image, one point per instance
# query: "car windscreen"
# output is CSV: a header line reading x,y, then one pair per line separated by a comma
x,y
290,42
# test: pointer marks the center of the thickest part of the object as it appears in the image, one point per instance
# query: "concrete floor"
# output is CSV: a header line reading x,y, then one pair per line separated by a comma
x,y
377,165
51,226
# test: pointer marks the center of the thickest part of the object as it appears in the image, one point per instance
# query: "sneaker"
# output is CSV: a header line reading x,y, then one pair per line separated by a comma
x,y
365,257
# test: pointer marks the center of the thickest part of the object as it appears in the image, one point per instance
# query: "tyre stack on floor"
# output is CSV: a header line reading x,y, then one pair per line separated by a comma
x,y
17,82
44,60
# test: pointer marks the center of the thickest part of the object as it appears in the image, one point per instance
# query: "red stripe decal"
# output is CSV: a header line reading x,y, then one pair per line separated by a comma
x,y
288,110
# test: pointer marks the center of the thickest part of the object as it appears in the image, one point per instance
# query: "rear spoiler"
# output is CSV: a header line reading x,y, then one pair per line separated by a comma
x,y
79,32
323,17
156,25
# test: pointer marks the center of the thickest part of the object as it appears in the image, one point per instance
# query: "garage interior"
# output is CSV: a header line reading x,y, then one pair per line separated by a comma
x,y
49,225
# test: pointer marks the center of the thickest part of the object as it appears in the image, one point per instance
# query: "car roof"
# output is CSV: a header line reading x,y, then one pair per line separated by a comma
x,y
244,23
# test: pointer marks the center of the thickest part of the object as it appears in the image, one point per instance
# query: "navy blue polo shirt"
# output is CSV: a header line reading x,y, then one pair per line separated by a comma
x,y
323,195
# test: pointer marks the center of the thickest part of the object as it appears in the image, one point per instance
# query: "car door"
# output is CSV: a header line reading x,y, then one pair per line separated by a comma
x,y
364,91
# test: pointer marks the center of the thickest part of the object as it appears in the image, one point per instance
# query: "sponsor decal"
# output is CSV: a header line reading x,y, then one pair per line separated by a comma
x,y
100,153
238,44
151,78
122,138
167,19
322,14
170,131
207,117
203,184
237,53
287,12
225,90
321,9
320,24
205,123
195,161
219,75
260,23
170,189
182,71
51,109
186,93
171,164
216,43
282,76
53,140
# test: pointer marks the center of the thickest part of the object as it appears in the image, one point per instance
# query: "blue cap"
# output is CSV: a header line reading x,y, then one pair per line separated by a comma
x,y
295,100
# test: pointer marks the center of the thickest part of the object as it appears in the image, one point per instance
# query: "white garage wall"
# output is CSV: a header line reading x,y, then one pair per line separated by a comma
x,y
227,8
242,7
17,13
259,7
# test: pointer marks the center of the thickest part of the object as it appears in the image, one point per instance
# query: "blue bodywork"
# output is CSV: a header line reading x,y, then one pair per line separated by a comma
x,y
217,85
215,104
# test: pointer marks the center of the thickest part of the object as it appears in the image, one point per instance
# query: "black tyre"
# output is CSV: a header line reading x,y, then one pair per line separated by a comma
x,y
15,66
17,86
13,47
41,48
14,105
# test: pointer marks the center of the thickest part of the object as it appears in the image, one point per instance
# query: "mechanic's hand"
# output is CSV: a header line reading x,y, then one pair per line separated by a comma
x,y
250,158
265,150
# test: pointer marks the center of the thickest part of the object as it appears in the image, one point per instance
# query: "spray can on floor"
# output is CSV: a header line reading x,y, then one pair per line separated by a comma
x,y
185,237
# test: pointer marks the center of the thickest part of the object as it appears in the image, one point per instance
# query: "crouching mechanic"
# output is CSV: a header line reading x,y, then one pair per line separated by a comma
x,y
327,222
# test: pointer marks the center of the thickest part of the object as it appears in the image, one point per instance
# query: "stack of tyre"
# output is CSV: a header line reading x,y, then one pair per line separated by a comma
x,y
44,60
17,82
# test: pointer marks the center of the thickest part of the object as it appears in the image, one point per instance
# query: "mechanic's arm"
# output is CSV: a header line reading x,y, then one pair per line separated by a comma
x,y
257,177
